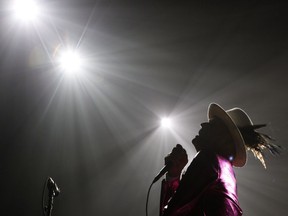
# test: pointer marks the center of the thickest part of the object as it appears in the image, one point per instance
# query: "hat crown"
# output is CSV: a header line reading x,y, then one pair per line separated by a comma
x,y
239,117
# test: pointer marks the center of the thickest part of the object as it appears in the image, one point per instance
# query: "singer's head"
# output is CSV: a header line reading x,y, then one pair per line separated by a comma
x,y
215,136
229,133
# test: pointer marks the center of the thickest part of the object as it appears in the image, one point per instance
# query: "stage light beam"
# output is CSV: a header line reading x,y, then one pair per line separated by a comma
x,y
70,62
166,122
26,11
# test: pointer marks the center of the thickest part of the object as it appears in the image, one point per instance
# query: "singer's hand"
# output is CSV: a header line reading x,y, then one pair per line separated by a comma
x,y
178,157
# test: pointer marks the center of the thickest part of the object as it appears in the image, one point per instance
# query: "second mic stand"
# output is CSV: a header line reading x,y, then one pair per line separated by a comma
x,y
53,191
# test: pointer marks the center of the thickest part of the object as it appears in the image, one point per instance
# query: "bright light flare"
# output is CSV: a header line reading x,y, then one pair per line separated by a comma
x,y
70,61
166,122
26,10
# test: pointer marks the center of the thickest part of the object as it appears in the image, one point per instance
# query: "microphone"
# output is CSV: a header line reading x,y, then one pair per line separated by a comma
x,y
53,187
163,171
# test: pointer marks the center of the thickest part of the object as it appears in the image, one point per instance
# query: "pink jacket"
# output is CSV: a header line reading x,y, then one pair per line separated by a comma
x,y
208,188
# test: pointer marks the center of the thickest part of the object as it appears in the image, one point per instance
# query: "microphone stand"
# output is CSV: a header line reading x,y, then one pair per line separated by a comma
x,y
53,192
50,202
162,195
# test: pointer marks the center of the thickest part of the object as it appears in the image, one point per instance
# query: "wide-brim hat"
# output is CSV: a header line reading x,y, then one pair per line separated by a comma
x,y
234,119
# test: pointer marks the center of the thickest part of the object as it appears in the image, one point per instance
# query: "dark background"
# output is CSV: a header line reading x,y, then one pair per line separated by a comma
x,y
98,135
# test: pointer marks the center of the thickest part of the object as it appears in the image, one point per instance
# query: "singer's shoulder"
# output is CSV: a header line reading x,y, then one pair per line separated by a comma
x,y
206,158
205,154
204,165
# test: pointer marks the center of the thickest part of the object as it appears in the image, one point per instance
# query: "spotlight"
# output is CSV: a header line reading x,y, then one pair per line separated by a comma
x,y
166,122
70,62
26,11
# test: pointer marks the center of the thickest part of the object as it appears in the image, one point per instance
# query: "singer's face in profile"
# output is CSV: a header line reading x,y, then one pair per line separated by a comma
x,y
214,135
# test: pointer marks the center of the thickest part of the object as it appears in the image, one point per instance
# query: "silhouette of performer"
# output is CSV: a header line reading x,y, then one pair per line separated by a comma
x,y
208,187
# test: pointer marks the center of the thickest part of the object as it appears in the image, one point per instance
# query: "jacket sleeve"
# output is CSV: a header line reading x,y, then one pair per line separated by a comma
x,y
202,171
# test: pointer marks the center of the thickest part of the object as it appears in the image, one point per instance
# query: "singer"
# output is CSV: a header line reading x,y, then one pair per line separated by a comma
x,y
208,187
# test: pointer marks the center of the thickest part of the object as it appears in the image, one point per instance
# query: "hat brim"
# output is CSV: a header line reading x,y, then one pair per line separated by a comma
x,y
240,158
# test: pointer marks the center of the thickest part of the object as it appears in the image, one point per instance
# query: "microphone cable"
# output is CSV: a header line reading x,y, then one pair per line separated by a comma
x,y
147,199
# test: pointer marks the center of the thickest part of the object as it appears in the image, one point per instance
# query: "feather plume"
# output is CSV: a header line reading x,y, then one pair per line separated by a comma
x,y
257,142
